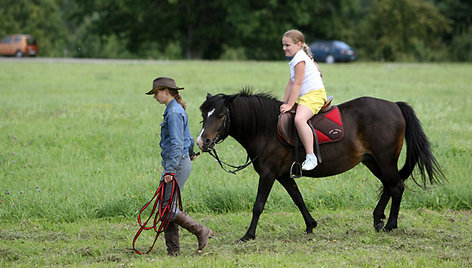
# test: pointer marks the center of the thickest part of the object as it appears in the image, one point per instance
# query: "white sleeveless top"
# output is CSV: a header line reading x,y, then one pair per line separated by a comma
x,y
312,79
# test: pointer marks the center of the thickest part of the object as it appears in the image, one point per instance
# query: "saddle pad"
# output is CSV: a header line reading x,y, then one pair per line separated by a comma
x,y
328,126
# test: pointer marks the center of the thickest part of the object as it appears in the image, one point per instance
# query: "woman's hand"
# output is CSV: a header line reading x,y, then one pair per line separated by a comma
x,y
285,107
168,178
194,156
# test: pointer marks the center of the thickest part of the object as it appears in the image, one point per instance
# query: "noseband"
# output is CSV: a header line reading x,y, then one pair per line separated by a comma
x,y
225,126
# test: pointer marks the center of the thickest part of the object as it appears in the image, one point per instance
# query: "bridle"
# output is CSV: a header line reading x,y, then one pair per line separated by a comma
x,y
225,126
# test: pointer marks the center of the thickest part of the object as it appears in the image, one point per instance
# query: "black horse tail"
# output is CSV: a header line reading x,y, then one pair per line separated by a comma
x,y
418,151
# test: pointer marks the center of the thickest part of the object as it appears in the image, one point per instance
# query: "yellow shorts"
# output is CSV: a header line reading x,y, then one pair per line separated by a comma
x,y
314,100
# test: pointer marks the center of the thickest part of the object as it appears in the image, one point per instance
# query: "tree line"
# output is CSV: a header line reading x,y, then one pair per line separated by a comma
x,y
380,30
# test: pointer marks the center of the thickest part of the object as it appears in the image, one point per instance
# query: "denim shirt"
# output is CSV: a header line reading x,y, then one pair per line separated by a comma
x,y
176,140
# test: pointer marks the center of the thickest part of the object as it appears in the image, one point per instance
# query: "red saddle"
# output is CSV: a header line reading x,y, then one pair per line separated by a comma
x,y
327,125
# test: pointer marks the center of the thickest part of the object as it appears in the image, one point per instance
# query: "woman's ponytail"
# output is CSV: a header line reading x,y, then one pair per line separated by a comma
x,y
178,98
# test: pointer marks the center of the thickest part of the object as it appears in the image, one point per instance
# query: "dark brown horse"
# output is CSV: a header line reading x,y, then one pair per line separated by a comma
x,y
374,134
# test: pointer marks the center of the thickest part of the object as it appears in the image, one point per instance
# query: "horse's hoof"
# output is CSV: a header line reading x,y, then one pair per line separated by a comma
x,y
308,235
379,226
246,238
389,227
310,227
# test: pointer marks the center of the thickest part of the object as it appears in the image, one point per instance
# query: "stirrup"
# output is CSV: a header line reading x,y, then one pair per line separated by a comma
x,y
295,170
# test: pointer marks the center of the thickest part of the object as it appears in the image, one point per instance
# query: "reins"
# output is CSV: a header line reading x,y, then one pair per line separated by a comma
x,y
236,168
164,214
214,154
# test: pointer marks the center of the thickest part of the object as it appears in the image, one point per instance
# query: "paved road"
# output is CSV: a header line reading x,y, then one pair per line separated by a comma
x,y
76,60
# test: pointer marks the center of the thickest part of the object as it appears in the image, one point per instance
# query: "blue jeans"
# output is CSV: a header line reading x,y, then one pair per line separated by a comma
x,y
181,174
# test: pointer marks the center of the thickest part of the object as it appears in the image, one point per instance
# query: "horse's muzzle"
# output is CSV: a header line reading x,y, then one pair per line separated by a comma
x,y
205,144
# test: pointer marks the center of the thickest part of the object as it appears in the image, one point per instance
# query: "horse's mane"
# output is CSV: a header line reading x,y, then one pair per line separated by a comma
x,y
254,113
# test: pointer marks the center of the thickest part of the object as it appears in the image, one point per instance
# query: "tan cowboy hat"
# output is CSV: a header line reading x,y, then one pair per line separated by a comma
x,y
163,82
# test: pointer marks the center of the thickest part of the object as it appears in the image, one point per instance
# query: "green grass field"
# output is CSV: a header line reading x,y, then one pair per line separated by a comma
x,y
79,156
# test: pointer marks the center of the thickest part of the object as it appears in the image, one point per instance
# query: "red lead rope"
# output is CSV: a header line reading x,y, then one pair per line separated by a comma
x,y
164,215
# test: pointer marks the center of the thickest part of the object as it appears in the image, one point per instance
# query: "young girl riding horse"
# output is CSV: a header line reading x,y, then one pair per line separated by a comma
x,y
305,87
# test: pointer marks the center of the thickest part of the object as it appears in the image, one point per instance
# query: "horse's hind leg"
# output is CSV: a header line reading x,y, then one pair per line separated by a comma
x,y
395,188
392,187
292,189
379,211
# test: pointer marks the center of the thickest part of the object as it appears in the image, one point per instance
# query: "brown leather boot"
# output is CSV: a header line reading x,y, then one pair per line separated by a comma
x,y
202,232
172,239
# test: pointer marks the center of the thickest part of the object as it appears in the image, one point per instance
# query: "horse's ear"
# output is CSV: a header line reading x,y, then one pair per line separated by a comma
x,y
229,98
208,96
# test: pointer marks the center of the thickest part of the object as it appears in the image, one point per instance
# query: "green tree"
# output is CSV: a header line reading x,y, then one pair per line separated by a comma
x,y
401,29
259,25
459,40
421,30
204,29
196,25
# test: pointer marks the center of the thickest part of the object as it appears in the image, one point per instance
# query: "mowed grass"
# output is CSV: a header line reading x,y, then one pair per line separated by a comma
x,y
343,238
79,147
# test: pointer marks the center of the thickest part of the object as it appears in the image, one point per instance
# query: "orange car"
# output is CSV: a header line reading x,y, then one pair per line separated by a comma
x,y
18,45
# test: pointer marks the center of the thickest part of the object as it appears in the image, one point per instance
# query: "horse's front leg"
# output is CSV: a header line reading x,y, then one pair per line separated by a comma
x,y
291,186
265,185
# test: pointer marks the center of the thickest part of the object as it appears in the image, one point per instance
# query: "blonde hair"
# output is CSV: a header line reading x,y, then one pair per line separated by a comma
x,y
298,36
